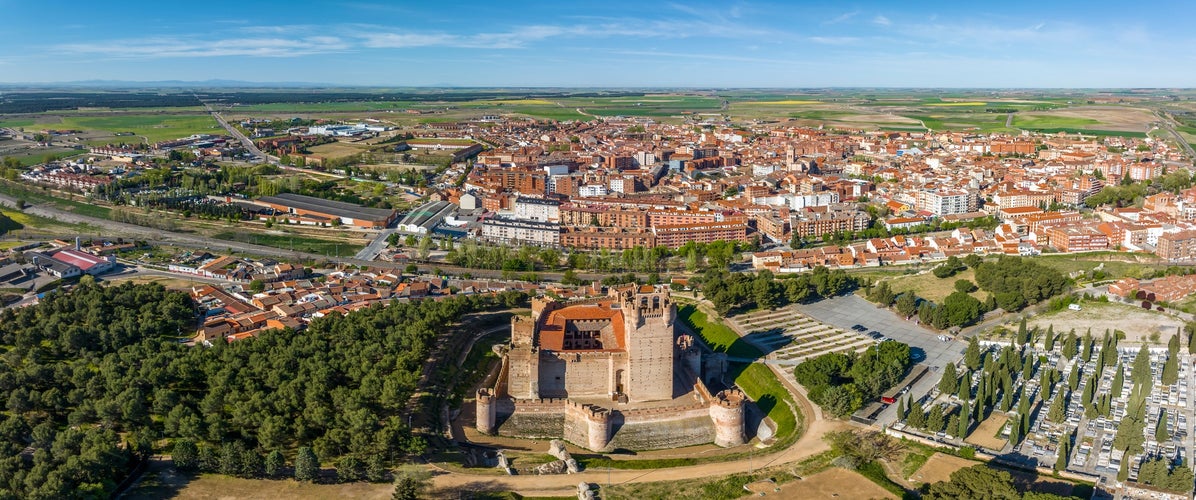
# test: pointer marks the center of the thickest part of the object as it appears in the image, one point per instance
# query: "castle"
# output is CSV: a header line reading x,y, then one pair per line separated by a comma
x,y
609,372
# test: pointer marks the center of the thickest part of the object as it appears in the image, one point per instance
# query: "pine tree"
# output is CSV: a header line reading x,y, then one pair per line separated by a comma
x,y
307,466
1118,381
971,356
274,464
1049,342
949,383
1160,429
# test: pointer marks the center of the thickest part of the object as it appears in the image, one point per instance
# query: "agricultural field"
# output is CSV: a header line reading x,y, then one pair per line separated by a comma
x,y
146,128
163,482
1081,118
939,468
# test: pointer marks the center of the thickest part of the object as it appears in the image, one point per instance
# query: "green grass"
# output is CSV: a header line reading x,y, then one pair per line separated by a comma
x,y
154,128
292,242
1038,121
37,197
755,379
876,473
1100,133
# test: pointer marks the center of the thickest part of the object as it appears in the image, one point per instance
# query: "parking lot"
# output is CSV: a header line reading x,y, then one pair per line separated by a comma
x,y
848,311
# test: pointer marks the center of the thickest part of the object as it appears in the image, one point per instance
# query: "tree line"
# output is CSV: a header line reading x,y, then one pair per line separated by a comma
x,y
740,291
96,377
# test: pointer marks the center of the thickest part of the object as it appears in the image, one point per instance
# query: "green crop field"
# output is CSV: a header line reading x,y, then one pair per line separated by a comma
x,y
153,128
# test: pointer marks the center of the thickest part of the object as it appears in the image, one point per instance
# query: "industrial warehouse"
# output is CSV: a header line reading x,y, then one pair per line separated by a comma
x,y
309,210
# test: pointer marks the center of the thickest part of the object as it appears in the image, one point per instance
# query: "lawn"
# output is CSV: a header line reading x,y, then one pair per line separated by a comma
x,y
1113,264
34,196
755,379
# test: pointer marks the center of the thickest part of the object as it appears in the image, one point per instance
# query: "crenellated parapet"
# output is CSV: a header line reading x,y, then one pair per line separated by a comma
x,y
727,413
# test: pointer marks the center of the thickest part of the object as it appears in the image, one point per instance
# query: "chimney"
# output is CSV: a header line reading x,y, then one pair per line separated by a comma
x,y
76,243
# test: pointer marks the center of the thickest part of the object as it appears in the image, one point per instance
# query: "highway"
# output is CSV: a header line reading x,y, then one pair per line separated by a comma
x,y
1166,123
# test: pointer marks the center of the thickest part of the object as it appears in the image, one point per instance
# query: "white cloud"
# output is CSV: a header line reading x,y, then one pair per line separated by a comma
x,y
881,20
834,40
159,47
842,17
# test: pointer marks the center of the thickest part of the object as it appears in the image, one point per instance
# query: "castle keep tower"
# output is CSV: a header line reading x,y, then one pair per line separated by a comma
x,y
649,314
726,410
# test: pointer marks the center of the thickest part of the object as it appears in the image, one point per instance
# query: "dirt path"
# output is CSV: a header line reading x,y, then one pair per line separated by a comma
x,y
808,445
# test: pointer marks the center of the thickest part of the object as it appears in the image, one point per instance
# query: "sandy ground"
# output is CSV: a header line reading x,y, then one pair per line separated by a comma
x,y
1111,117
1137,323
833,483
939,468
985,434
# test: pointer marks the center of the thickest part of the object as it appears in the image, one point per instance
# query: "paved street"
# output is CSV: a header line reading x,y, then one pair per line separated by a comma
x,y
848,311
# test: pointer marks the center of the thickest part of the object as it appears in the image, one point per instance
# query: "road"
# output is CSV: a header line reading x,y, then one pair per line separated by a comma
x,y
1169,126
371,251
850,310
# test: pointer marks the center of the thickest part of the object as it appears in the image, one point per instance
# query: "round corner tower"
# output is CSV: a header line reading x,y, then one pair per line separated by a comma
x,y
599,421
487,412
727,413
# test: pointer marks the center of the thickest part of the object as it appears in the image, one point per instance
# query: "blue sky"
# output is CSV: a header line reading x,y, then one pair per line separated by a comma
x,y
603,44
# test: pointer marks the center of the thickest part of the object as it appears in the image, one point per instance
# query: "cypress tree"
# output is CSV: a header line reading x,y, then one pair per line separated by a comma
x,y
1064,452
953,426
917,417
1086,351
1140,373
1027,368
1123,473
1160,429
1118,381
1022,336
1069,345
1049,342
1173,344
965,387
934,421
1171,370
949,383
971,356
1073,379
900,409
1015,432
1058,408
